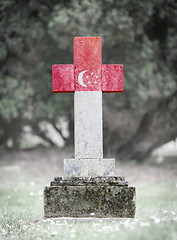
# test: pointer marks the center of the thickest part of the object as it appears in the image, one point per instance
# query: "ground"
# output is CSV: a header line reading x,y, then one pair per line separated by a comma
x,y
24,174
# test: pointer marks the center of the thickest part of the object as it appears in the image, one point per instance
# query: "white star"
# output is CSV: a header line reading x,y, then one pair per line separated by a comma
x,y
87,76
95,82
96,76
88,81
92,73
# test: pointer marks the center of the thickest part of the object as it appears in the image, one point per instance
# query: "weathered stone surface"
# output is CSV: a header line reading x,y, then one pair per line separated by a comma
x,y
88,167
88,124
62,76
112,78
89,201
87,63
94,181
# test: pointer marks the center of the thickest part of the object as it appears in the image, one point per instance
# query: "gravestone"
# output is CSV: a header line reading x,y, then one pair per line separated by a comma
x,y
89,187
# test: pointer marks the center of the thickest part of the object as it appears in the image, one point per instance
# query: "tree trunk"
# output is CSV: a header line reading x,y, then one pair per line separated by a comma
x,y
156,127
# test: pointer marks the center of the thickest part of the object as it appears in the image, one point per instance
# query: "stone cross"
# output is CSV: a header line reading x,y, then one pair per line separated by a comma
x,y
89,187
88,78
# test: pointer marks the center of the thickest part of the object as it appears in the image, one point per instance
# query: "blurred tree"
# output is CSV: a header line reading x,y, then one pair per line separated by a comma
x,y
140,34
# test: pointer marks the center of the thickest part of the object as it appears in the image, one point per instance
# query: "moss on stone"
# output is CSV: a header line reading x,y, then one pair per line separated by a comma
x,y
81,201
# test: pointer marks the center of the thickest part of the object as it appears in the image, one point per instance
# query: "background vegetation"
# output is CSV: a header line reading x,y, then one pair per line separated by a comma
x,y
139,34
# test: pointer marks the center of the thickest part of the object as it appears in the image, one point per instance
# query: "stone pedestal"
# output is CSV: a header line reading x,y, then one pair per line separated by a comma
x,y
88,167
89,197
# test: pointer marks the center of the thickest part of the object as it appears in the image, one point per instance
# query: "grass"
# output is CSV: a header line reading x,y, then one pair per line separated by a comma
x,y
21,216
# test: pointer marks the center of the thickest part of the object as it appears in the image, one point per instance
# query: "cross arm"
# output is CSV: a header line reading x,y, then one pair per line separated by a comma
x,y
112,78
63,78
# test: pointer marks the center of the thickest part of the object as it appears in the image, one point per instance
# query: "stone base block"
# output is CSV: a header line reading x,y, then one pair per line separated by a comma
x,y
97,197
88,167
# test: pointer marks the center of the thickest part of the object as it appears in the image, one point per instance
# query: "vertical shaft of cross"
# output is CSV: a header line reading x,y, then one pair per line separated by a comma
x,y
88,124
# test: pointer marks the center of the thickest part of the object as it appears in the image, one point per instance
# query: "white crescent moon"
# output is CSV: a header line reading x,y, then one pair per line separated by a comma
x,y
80,80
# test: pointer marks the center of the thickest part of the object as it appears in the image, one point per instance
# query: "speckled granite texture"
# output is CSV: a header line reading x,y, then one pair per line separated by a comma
x,y
90,197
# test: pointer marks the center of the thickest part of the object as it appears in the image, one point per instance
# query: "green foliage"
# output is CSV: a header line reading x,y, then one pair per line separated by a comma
x,y
15,95
3,52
